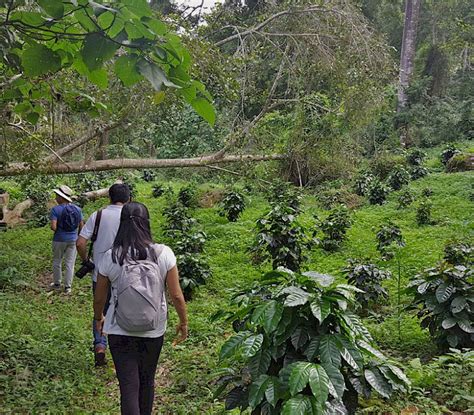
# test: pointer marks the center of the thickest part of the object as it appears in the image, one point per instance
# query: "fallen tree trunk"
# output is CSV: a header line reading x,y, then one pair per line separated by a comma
x,y
12,217
97,194
18,169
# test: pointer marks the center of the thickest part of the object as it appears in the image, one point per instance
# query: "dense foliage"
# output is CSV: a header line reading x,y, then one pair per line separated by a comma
x,y
377,192
423,212
232,205
398,178
405,199
389,239
334,228
445,296
368,278
298,349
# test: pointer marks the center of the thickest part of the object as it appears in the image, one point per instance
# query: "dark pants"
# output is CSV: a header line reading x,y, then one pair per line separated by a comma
x,y
135,360
100,340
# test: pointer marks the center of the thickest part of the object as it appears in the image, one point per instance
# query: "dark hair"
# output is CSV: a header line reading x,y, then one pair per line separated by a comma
x,y
134,235
119,193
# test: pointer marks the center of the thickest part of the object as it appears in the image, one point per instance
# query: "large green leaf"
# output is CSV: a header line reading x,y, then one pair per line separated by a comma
x,y
458,304
337,385
465,325
299,376
316,309
268,315
298,405
295,296
96,50
99,77
232,344
257,390
443,292
126,70
154,74
260,363
329,351
369,349
38,60
54,8
325,305
205,109
139,8
449,322
313,349
272,393
350,353
319,383
378,382
252,345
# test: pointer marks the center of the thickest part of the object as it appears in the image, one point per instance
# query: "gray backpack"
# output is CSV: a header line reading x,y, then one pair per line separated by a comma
x,y
139,295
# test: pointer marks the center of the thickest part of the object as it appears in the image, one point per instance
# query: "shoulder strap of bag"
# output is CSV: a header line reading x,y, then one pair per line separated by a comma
x,y
95,232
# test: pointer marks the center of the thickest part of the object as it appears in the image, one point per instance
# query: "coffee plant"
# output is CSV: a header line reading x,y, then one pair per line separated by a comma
x,y
362,183
157,190
280,239
232,205
398,178
284,194
188,243
389,239
417,172
368,278
459,253
423,213
445,298
405,199
334,228
299,349
427,192
187,196
148,175
377,192
448,153
193,272
415,157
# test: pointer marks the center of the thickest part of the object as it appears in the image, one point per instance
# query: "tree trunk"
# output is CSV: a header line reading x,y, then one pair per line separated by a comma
x,y
12,217
103,145
412,13
18,169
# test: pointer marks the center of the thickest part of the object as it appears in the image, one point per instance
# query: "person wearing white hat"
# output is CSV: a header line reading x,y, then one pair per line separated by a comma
x,y
66,222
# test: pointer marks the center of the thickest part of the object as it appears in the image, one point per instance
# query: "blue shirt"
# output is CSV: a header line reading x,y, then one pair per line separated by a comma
x,y
61,235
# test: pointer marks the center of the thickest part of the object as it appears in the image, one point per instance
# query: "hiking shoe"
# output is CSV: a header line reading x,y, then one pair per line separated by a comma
x,y
54,286
99,357
67,290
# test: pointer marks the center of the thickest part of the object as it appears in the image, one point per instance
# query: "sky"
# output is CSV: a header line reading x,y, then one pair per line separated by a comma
x,y
207,3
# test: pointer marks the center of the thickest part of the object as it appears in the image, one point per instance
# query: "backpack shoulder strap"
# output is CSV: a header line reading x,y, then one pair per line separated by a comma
x,y
95,232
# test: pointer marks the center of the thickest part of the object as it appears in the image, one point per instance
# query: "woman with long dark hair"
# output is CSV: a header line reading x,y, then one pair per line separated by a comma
x,y
138,271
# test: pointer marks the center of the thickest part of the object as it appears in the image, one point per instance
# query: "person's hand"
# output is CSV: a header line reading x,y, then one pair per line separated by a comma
x,y
99,325
181,333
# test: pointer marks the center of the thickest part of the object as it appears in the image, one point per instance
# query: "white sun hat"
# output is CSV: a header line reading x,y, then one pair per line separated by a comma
x,y
65,192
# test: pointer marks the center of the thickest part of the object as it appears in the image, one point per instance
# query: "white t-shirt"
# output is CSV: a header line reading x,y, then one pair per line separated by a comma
x,y
112,271
109,224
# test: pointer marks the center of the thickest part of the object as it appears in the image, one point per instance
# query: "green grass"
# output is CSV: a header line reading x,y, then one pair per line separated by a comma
x,y
45,362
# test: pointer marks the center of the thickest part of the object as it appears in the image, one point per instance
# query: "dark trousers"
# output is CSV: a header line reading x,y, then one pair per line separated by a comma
x,y
135,360
100,340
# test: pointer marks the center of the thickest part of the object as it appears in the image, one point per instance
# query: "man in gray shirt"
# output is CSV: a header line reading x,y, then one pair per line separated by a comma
x,y
119,194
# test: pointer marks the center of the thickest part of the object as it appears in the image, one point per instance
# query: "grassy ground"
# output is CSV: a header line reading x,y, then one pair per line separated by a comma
x,y
45,362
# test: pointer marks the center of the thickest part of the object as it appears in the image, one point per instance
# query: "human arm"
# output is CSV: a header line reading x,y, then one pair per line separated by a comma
x,y
100,297
177,298
81,245
53,225
81,225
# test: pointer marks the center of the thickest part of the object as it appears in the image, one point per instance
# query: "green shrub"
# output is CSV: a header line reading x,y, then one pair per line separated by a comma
x,y
384,163
177,219
405,199
193,272
423,213
148,175
445,296
448,153
368,278
389,238
285,194
427,192
157,190
459,253
232,205
362,183
415,157
187,196
377,192
334,228
460,162
298,349
280,239
398,178
418,172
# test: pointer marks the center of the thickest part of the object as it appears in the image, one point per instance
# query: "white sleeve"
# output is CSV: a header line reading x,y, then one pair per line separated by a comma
x,y
105,266
169,258
88,229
